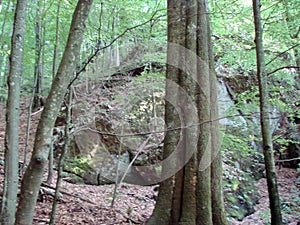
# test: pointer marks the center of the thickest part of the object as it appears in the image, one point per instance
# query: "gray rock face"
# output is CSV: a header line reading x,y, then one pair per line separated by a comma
x,y
227,108
95,122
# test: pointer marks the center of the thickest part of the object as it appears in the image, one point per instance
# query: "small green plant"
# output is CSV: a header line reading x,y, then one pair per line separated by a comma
x,y
3,94
266,216
78,164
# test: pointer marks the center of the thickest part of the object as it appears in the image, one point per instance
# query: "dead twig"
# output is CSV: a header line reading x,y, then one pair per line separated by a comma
x,y
41,220
287,160
71,195
40,110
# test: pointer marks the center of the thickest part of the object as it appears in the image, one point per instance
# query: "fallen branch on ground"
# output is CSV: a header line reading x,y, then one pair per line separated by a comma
x,y
71,195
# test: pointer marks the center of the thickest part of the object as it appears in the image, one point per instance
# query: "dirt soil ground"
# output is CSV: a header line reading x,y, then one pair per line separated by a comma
x,y
86,204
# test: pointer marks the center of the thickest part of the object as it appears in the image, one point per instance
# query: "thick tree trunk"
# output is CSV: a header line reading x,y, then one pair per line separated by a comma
x,y
276,218
162,212
12,116
188,206
188,200
188,83
203,190
33,176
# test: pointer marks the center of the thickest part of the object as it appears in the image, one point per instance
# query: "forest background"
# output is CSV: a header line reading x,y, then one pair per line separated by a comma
x,y
112,28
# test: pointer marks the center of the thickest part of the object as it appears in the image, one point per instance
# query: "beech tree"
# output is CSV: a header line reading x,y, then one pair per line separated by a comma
x,y
163,207
186,198
203,190
9,199
33,175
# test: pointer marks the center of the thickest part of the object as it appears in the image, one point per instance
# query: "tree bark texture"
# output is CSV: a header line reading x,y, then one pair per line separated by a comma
x,y
164,204
33,176
203,190
217,196
187,199
187,81
12,116
276,218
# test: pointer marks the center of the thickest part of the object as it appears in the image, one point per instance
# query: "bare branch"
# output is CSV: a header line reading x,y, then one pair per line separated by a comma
x,y
282,68
287,160
280,54
69,194
297,33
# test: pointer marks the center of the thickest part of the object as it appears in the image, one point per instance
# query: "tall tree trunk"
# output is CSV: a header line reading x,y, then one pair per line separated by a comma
x,y
12,116
217,197
203,190
162,211
56,44
54,70
100,26
188,83
62,157
33,176
177,200
37,101
276,218
188,199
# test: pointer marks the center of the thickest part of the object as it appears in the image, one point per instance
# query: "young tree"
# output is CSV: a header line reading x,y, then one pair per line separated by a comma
x,y
294,32
276,218
33,175
56,44
12,116
38,68
54,69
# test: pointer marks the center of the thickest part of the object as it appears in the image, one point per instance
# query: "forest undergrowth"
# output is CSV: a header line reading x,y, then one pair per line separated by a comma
x,y
87,204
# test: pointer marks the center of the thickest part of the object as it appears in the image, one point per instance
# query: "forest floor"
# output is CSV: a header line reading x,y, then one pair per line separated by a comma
x,y
86,204
290,200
